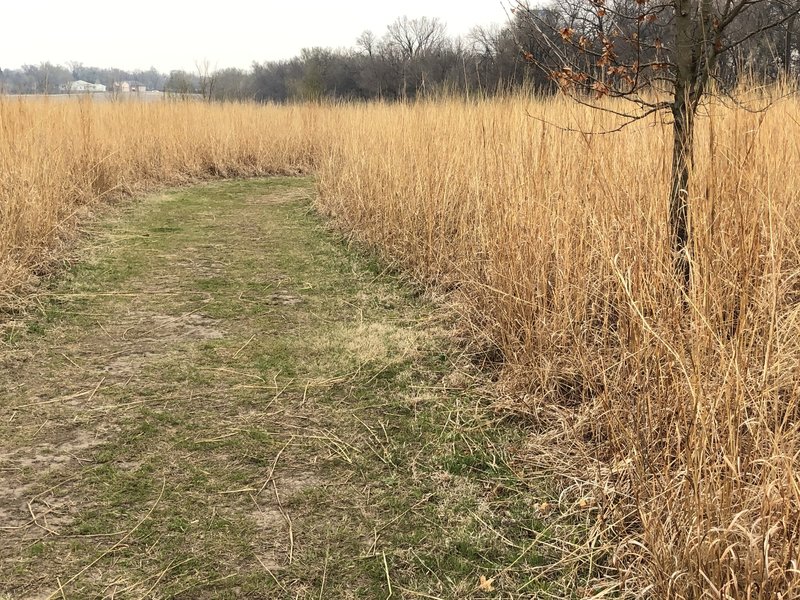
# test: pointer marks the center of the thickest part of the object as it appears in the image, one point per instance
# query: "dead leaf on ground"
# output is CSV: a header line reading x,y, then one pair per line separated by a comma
x,y
485,585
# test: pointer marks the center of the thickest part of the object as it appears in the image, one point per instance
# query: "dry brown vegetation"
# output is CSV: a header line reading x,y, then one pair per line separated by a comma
x,y
58,157
677,417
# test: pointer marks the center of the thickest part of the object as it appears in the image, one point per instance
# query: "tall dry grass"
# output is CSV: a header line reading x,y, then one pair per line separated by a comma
x,y
558,244
683,411
57,158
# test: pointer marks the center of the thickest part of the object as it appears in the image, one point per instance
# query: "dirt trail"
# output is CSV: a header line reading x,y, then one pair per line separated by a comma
x,y
221,401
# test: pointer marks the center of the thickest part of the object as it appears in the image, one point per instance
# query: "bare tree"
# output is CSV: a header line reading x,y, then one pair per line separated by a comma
x,y
623,49
408,42
416,36
367,43
207,78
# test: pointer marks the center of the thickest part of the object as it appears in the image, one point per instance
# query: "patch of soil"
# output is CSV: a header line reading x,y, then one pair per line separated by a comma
x,y
64,448
128,363
270,519
168,328
52,509
284,298
270,522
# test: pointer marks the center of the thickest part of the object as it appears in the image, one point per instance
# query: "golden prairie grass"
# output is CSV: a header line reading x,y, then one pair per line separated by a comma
x,y
558,244
677,416
59,157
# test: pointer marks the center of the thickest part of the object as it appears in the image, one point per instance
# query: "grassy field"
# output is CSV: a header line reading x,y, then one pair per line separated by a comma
x,y
677,418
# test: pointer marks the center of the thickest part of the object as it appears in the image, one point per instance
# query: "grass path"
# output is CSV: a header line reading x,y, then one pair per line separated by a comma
x,y
222,401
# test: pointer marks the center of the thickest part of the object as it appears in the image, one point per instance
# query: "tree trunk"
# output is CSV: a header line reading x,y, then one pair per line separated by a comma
x,y
683,111
680,235
787,49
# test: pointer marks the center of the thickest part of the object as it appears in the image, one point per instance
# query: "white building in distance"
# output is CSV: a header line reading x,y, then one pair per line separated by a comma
x,y
83,87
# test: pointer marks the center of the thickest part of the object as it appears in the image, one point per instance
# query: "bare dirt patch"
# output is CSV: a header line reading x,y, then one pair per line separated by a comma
x,y
27,511
191,326
128,363
284,299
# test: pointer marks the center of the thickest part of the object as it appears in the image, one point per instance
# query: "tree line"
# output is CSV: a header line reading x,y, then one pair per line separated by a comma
x,y
417,57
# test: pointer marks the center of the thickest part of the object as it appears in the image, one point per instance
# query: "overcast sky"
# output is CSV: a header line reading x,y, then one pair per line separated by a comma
x,y
175,34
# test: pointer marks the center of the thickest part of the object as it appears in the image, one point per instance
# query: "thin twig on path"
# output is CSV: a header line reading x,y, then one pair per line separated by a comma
x,y
90,393
274,464
246,344
388,579
288,522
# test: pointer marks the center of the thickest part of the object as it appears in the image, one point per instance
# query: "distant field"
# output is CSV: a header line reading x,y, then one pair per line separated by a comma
x,y
679,419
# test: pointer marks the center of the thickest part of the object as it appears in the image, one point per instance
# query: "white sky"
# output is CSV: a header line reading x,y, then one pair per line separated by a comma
x,y
174,34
